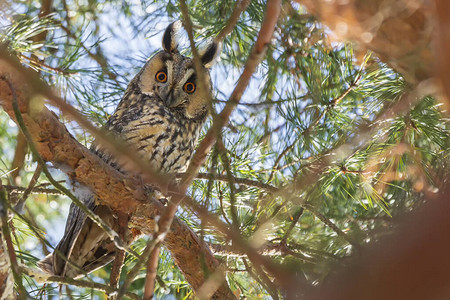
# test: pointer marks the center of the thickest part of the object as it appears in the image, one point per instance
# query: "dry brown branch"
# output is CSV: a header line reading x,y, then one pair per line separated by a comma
x,y
240,6
152,268
55,144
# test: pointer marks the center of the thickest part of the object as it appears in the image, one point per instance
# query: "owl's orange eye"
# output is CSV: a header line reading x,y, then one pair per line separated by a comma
x,y
189,87
161,76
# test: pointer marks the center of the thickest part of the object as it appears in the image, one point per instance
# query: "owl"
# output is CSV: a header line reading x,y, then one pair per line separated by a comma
x,y
159,118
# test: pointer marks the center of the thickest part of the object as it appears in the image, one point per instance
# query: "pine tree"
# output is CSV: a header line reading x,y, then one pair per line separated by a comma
x,y
326,129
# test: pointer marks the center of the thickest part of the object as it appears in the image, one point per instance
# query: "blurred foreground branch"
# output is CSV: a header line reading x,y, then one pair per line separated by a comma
x,y
411,264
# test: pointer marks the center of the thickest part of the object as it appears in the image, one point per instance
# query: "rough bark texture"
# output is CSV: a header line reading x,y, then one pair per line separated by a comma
x,y
122,194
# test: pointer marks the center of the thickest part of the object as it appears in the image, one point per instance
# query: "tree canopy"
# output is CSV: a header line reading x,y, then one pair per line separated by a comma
x,y
328,125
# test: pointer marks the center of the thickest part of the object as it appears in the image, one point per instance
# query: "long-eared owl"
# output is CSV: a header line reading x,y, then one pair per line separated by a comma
x,y
159,118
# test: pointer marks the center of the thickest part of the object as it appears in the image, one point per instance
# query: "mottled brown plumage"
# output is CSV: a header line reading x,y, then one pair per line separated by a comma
x,y
159,118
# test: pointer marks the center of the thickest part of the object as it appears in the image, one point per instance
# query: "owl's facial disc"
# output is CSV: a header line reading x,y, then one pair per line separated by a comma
x,y
178,88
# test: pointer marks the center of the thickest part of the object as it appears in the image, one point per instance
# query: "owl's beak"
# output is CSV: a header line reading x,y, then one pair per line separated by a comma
x,y
170,100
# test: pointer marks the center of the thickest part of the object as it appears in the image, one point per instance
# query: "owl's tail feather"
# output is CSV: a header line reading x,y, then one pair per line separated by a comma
x,y
46,264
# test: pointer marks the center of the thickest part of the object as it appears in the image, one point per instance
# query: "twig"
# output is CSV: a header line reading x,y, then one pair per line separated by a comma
x,y
101,61
38,63
221,206
295,246
259,280
39,275
333,226
242,181
119,258
240,6
136,268
9,245
26,193
32,224
226,164
152,268
297,216
36,190
201,78
272,249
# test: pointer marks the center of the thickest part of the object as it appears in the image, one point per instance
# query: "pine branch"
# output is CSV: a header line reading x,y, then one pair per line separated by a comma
x,y
332,104
256,56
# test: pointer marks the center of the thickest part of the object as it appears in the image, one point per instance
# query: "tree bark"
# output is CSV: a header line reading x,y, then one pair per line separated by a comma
x,y
122,194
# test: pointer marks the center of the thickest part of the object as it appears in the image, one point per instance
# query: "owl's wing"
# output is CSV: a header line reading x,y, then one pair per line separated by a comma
x,y
86,245
75,222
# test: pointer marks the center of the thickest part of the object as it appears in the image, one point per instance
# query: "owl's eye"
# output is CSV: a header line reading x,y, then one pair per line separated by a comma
x,y
161,76
189,87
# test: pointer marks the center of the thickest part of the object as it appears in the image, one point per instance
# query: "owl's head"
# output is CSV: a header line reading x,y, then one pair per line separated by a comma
x,y
172,77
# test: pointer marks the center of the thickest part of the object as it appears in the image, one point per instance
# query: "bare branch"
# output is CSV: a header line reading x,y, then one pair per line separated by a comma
x,y
152,267
40,276
240,6
36,190
29,189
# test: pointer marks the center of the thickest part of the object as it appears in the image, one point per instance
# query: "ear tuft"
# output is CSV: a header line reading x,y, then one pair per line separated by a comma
x,y
170,39
209,54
